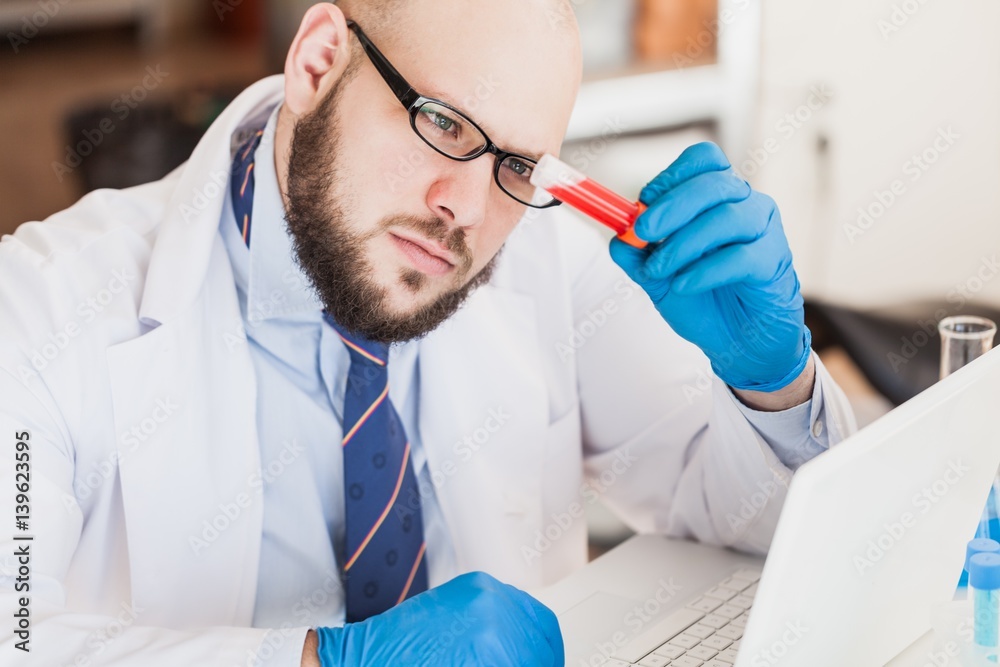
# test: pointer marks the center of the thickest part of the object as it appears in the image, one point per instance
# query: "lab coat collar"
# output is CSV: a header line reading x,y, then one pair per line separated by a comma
x,y
191,216
274,284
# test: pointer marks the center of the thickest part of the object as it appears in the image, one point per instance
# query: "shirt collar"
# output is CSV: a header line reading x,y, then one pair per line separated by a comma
x,y
272,281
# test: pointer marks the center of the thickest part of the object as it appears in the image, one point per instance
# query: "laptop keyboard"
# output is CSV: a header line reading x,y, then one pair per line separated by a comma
x,y
706,632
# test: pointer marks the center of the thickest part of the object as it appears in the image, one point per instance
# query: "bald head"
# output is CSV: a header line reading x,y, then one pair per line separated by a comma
x,y
391,15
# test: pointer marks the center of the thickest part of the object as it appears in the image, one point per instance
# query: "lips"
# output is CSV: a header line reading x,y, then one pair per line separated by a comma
x,y
424,255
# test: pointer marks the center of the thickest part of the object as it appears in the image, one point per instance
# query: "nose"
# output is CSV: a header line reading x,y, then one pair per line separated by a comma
x,y
461,191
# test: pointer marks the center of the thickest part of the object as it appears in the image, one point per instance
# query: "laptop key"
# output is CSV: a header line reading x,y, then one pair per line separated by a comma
x,y
715,621
705,604
685,640
721,593
741,620
686,661
725,658
729,611
643,645
750,591
700,631
716,663
702,652
654,660
736,583
730,631
741,601
729,655
750,574
669,651
718,642
615,663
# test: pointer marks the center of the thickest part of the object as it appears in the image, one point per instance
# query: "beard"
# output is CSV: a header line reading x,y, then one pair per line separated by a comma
x,y
333,257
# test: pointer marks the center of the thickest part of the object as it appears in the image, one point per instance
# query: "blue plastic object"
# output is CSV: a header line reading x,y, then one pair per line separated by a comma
x,y
989,528
471,620
978,546
984,578
984,571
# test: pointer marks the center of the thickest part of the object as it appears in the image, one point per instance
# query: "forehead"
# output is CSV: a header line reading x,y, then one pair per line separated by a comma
x,y
514,73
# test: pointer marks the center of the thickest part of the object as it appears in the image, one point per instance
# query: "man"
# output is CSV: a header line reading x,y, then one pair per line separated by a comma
x,y
225,471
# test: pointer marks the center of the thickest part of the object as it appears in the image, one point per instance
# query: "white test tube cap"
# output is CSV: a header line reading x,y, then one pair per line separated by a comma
x,y
551,171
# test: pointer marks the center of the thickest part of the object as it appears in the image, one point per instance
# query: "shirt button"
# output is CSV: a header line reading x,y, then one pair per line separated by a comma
x,y
817,429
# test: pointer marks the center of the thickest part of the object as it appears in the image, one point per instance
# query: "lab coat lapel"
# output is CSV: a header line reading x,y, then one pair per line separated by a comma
x,y
483,433
184,403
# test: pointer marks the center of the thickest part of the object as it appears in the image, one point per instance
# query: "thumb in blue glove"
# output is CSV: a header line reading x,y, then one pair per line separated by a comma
x,y
471,620
719,270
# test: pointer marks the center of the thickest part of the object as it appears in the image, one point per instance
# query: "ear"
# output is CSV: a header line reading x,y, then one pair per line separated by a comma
x,y
317,58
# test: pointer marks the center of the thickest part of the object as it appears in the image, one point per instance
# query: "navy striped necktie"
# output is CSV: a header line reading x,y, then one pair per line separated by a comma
x,y
385,560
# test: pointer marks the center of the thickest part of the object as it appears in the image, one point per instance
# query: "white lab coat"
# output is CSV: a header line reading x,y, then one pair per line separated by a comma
x,y
122,354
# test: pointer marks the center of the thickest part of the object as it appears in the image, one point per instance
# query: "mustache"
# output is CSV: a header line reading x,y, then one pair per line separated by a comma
x,y
433,228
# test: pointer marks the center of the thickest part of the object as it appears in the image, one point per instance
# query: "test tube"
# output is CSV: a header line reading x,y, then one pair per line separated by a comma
x,y
984,579
588,196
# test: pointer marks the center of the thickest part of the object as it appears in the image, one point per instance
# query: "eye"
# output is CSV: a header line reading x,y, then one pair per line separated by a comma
x,y
518,167
440,121
443,122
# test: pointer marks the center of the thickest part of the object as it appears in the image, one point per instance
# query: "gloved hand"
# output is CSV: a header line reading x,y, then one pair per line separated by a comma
x,y
720,271
471,620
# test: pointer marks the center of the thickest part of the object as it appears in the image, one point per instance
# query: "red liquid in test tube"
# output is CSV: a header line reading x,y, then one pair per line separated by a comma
x,y
590,197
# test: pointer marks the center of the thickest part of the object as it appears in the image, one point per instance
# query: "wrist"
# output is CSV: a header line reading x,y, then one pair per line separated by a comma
x,y
797,392
310,655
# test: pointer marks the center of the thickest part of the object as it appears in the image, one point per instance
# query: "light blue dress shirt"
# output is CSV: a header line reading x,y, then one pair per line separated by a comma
x,y
301,369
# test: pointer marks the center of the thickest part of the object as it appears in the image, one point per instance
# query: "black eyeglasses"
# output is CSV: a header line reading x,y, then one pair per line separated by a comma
x,y
453,134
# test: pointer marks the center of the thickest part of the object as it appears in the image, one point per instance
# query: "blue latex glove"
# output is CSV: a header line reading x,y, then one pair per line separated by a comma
x,y
471,620
719,270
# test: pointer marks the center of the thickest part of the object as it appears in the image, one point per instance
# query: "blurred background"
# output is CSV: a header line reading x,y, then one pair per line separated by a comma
x,y
873,124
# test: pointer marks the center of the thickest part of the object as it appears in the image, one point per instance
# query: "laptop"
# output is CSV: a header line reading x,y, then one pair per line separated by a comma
x,y
871,538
